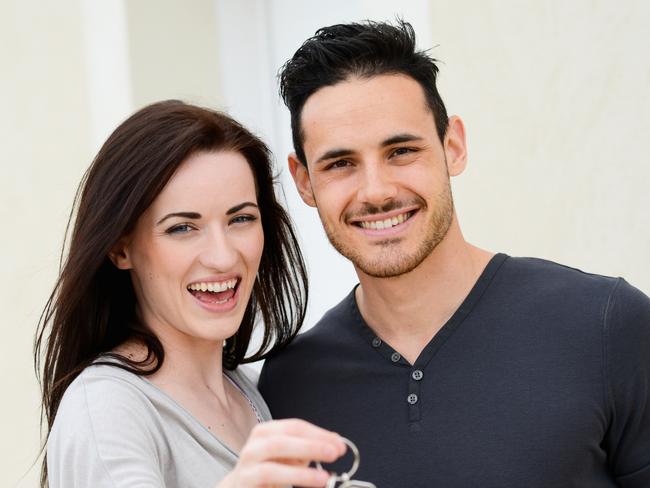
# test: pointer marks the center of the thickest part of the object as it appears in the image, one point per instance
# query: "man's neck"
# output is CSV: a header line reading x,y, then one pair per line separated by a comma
x,y
408,310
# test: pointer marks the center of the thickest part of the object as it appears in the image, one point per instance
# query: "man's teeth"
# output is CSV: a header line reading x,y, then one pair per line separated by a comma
x,y
385,224
213,287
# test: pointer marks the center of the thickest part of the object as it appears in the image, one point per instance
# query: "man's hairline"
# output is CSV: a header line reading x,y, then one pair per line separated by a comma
x,y
351,75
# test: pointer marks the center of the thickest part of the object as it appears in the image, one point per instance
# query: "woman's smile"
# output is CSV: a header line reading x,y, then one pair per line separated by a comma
x,y
216,295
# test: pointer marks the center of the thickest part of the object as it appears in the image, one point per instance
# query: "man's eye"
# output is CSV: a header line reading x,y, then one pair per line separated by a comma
x,y
400,151
179,229
341,163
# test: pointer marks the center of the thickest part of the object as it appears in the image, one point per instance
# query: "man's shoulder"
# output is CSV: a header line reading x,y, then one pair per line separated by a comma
x,y
540,282
324,335
549,275
334,321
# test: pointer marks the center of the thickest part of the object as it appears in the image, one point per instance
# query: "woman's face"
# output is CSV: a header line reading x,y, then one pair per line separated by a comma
x,y
194,253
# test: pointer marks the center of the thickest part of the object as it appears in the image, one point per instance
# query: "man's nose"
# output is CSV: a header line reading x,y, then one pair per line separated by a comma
x,y
376,186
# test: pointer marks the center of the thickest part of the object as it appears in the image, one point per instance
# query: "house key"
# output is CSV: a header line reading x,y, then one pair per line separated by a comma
x,y
345,478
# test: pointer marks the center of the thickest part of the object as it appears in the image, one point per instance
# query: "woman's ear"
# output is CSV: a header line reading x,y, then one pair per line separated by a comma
x,y
120,254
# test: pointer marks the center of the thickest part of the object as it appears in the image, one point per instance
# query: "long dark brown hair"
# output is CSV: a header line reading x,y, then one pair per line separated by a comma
x,y
92,308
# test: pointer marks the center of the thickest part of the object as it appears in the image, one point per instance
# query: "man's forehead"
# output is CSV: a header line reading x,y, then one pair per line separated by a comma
x,y
356,90
363,109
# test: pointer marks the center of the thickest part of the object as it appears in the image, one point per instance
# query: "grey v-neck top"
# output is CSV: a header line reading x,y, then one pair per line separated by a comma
x,y
116,429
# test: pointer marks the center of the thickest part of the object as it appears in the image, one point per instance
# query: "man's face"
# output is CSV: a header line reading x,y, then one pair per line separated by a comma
x,y
377,171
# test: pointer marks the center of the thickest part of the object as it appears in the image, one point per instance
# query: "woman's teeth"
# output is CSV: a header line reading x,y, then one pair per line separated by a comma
x,y
387,223
215,287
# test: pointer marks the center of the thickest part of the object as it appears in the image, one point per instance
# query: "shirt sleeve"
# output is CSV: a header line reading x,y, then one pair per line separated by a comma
x,y
627,370
104,436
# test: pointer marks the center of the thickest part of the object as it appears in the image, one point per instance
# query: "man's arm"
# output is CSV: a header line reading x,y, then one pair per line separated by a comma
x,y
627,376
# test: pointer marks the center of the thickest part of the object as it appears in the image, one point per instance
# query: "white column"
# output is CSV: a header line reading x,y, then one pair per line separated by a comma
x,y
106,56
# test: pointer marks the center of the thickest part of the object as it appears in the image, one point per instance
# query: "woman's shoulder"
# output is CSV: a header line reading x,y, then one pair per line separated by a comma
x,y
104,416
246,377
106,381
246,374
101,395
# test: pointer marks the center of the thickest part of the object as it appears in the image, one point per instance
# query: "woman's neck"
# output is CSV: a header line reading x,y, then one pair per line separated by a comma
x,y
188,366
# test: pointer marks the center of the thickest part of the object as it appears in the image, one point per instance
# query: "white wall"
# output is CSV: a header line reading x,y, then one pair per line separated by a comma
x,y
553,95
555,98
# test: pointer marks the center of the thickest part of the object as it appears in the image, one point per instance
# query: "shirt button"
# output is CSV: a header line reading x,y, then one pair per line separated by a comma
x,y
376,342
395,357
412,399
417,375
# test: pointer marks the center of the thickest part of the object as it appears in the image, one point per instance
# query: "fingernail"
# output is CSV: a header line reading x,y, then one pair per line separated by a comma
x,y
323,477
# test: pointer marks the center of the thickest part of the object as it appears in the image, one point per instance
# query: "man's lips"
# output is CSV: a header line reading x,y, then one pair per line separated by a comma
x,y
386,220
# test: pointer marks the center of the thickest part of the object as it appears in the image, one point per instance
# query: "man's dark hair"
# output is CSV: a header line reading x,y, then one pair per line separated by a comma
x,y
364,50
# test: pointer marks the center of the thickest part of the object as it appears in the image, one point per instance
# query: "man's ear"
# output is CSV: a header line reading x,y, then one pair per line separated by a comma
x,y
301,179
455,146
120,254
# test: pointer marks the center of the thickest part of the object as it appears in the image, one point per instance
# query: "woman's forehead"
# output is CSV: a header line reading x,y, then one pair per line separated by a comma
x,y
209,178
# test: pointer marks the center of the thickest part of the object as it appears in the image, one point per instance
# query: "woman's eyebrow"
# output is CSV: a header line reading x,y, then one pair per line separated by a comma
x,y
237,208
185,215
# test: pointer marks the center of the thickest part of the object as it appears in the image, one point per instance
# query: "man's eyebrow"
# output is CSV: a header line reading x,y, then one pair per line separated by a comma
x,y
334,153
398,138
342,152
185,215
237,208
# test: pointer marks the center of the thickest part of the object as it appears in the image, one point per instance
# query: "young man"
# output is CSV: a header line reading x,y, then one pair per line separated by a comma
x,y
448,365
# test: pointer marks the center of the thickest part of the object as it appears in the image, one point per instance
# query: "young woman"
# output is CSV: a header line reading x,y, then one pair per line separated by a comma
x,y
178,248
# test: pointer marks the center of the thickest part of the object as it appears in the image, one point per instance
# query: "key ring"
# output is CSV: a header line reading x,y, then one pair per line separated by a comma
x,y
346,476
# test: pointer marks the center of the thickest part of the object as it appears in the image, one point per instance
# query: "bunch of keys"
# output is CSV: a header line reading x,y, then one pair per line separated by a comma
x,y
345,478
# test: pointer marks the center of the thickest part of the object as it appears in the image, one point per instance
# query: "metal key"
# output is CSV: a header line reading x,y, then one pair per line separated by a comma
x,y
344,478
355,484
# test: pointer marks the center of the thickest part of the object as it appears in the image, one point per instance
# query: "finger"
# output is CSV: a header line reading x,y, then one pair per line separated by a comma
x,y
270,473
299,428
284,447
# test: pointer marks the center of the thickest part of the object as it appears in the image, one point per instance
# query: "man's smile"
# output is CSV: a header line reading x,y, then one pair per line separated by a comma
x,y
386,223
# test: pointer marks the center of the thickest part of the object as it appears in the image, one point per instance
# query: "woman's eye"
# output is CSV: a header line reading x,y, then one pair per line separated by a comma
x,y
179,229
240,219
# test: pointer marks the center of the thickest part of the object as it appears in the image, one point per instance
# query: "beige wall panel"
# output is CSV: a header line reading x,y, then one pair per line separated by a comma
x,y
173,51
554,97
45,147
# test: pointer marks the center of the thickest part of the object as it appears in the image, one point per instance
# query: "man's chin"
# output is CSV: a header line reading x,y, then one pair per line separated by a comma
x,y
386,258
388,262
385,269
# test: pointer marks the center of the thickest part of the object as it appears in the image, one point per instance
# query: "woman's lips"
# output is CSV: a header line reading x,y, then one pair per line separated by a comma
x,y
223,299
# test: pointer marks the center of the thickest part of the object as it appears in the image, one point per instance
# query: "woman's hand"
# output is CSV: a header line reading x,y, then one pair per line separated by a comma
x,y
277,453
